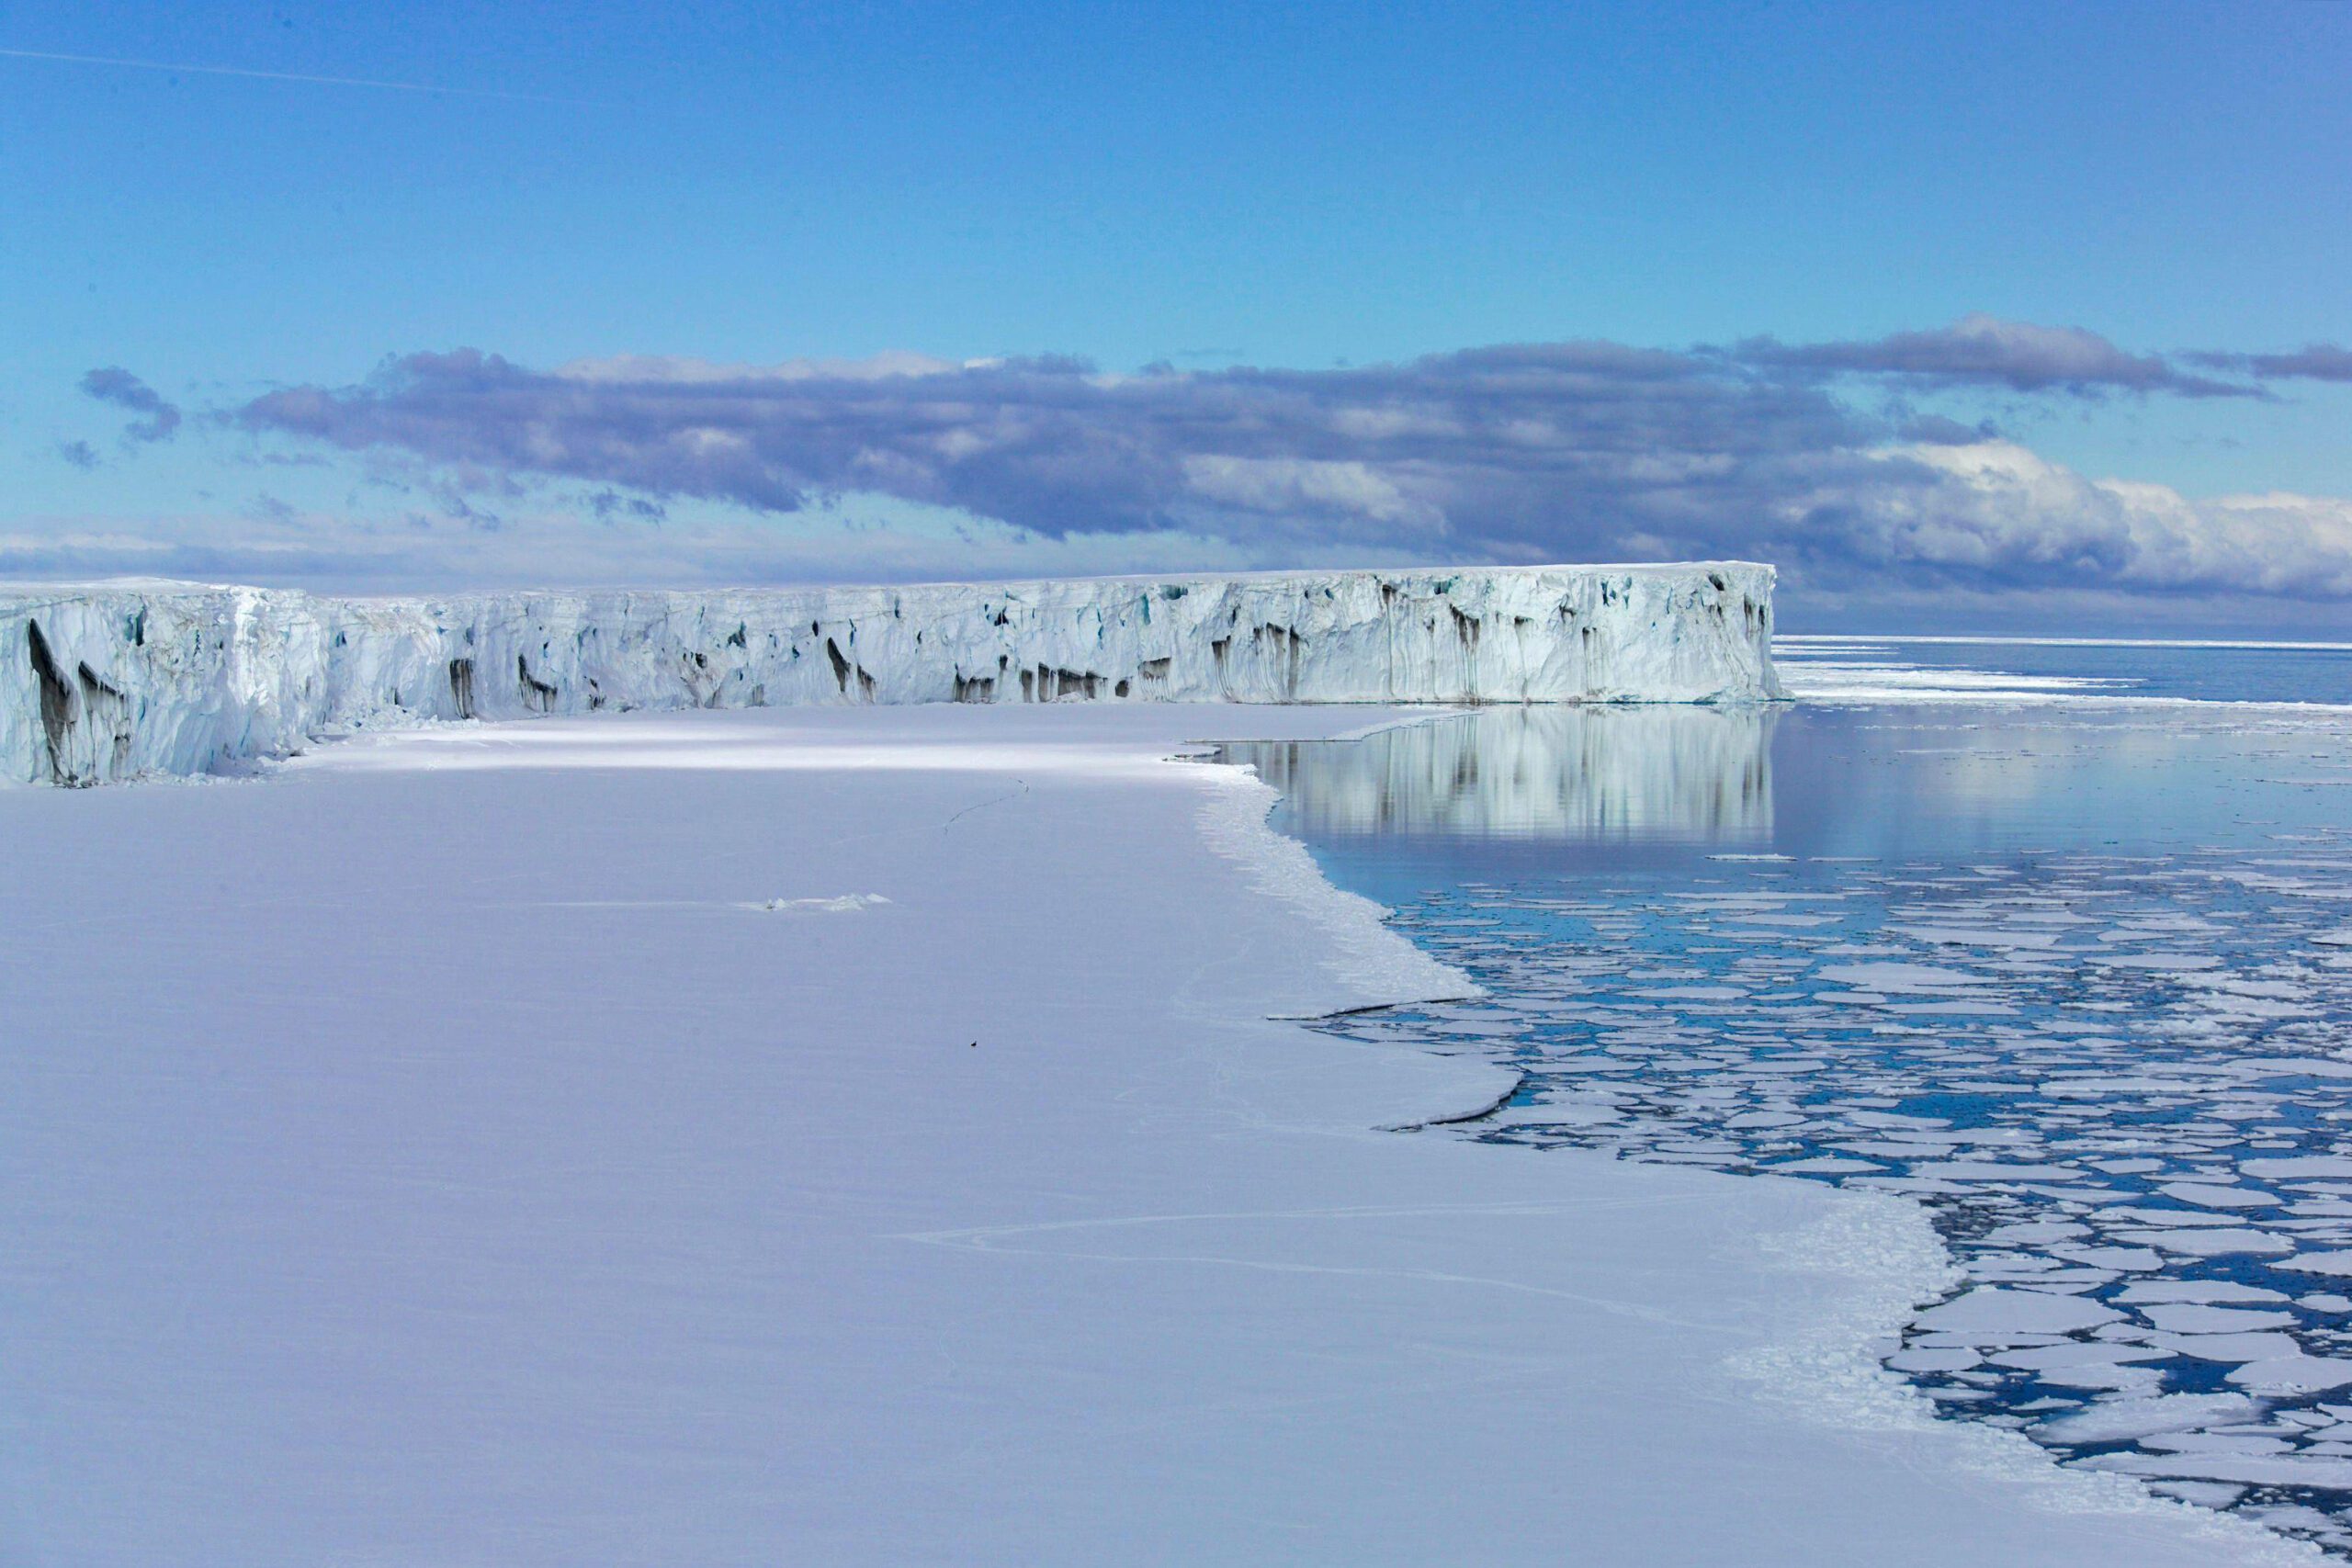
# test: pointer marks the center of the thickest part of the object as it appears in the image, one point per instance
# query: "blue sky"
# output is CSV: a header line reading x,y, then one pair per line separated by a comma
x,y
1202,194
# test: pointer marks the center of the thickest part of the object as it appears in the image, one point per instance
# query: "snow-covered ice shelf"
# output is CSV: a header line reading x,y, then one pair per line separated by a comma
x,y
117,681
466,1165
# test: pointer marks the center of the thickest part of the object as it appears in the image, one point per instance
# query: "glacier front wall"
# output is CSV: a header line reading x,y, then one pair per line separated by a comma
x,y
119,680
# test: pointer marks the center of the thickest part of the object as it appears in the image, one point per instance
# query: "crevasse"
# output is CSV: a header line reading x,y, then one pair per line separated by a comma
x,y
117,680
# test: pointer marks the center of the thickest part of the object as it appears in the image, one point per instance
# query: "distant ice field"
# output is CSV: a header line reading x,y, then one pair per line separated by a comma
x,y
1980,925
2010,668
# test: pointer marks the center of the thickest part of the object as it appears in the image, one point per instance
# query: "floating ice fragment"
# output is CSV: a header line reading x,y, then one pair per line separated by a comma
x,y
2187,1219
1901,977
1996,1170
2231,1348
2298,1373
2034,1233
2218,1197
2195,1290
2000,1312
2076,1353
1968,936
2126,1420
2222,1440
2103,1376
2213,1244
2128,1259
2189,1318
2255,1470
2339,1263
2304,1165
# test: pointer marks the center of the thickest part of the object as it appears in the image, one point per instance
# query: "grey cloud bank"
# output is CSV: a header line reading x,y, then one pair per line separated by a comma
x,y
1982,350
464,469
1485,441
1514,453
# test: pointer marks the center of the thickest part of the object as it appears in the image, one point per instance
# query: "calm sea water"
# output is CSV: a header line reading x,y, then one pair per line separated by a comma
x,y
2056,939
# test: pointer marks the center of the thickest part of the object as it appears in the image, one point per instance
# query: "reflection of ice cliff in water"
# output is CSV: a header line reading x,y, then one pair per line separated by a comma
x,y
1635,773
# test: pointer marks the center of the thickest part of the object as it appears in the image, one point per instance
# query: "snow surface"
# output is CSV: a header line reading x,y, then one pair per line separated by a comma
x,y
439,1152
115,680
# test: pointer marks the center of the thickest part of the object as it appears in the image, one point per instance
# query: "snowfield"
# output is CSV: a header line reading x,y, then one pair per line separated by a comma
x,y
119,680
862,1135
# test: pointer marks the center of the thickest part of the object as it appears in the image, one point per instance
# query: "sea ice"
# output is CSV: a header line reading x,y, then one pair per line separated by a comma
x,y
2295,1373
1999,1312
2122,1420
2339,1263
2187,1318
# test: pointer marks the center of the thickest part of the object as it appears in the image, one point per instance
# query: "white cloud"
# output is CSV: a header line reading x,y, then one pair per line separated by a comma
x,y
1287,486
2009,507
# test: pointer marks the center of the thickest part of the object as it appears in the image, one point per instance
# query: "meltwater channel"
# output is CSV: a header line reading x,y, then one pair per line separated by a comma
x,y
2046,938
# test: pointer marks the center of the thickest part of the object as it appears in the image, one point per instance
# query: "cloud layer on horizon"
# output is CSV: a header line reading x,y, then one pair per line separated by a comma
x,y
1552,451
462,469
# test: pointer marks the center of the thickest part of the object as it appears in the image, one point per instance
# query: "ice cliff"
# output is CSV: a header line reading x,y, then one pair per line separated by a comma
x,y
114,681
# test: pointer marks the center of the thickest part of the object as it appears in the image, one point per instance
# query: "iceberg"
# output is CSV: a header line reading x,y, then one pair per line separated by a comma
x,y
124,680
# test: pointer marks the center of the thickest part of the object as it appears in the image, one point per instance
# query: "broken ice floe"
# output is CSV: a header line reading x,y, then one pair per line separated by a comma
x,y
2121,1083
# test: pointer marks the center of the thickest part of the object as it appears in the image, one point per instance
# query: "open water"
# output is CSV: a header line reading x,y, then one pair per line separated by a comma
x,y
2055,939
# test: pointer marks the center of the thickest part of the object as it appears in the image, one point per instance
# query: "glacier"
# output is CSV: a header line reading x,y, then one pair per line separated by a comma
x,y
117,680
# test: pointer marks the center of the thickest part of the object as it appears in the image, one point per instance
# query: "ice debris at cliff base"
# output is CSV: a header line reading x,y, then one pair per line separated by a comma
x,y
115,680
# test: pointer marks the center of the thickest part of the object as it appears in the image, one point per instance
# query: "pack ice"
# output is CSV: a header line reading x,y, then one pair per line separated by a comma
x,y
114,681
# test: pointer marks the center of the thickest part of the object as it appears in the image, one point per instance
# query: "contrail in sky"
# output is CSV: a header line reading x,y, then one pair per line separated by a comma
x,y
286,76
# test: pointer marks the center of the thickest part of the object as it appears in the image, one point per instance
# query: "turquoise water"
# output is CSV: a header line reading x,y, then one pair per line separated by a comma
x,y
2075,975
